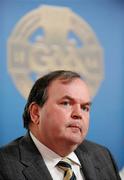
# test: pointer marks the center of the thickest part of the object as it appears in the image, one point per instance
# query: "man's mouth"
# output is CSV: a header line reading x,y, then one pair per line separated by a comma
x,y
75,127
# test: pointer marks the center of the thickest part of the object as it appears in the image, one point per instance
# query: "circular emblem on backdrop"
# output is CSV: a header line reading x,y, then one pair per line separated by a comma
x,y
52,38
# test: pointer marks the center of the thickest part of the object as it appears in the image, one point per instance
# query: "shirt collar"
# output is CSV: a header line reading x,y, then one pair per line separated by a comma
x,y
50,157
72,156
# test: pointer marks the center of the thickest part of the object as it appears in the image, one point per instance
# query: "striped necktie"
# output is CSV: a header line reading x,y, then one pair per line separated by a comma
x,y
65,165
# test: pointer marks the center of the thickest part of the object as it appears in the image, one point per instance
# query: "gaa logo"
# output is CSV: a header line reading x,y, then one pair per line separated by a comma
x,y
52,38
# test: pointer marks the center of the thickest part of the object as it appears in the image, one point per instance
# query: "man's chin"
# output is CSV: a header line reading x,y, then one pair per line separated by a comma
x,y
75,141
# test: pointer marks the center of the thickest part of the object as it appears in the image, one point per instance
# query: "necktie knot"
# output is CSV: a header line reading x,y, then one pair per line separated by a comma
x,y
65,165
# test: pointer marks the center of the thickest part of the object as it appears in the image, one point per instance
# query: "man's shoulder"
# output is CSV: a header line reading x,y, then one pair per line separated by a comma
x,y
18,148
92,147
95,151
10,148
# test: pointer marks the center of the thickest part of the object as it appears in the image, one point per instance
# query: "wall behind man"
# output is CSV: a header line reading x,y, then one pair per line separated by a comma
x,y
106,19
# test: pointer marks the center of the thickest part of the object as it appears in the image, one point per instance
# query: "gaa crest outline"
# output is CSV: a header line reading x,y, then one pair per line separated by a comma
x,y
51,38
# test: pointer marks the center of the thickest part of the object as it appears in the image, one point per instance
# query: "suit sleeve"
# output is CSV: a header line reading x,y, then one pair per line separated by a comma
x,y
1,167
114,165
1,178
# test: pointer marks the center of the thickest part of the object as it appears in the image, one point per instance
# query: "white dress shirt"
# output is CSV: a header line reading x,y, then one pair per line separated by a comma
x,y
51,159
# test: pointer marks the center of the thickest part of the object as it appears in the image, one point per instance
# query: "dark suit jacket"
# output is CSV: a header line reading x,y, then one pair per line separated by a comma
x,y
20,160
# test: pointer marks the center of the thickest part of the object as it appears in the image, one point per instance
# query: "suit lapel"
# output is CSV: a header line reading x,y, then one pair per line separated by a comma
x,y
35,168
87,166
37,172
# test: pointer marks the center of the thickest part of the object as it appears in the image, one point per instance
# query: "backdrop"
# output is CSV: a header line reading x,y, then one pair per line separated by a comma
x,y
104,20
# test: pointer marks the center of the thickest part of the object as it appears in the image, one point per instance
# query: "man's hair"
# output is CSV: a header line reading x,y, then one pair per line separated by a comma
x,y
38,93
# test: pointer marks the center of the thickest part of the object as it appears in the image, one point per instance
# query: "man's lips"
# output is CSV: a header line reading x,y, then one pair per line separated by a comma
x,y
75,126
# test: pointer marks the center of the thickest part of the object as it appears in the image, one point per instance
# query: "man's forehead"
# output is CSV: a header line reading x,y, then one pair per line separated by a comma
x,y
65,83
71,88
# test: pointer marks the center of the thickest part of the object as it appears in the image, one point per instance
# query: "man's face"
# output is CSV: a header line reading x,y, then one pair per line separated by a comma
x,y
64,118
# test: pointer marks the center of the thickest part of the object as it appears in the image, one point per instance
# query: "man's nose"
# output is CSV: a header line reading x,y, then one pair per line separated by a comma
x,y
76,112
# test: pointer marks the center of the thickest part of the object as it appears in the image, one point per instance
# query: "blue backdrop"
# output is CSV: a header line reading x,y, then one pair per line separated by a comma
x,y
107,20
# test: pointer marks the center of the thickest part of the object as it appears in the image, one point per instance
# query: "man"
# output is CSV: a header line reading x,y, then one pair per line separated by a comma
x,y
57,118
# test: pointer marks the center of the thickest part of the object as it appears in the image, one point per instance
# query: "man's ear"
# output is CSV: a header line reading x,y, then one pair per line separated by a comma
x,y
34,111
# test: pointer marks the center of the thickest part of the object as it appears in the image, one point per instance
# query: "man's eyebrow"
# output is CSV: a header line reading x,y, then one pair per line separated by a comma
x,y
68,97
87,104
72,99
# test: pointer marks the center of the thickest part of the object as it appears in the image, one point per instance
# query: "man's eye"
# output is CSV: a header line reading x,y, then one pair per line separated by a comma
x,y
85,108
65,103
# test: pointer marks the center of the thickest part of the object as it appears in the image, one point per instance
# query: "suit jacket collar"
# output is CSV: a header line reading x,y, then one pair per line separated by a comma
x,y
30,157
87,165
